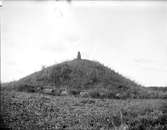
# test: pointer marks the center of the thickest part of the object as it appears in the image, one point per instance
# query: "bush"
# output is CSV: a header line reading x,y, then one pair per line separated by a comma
x,y
26,88
56,92
101,93
74,92
94,93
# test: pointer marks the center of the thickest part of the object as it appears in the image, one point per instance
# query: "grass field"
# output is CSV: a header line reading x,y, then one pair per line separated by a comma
x,y
33,111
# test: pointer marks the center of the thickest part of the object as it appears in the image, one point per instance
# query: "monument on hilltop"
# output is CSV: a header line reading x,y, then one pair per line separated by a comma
x,y
79,55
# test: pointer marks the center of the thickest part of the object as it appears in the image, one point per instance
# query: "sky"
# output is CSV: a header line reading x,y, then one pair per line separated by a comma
x,y
129,37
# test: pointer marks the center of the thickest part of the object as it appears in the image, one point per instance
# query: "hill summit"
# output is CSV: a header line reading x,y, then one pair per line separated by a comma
x,y
78,74
81,75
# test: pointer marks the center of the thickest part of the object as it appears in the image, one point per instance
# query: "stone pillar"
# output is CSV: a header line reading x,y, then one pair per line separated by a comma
x,y
79,55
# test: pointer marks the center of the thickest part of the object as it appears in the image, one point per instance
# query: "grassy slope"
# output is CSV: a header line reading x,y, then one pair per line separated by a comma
x,y
82,75
36,111
77,73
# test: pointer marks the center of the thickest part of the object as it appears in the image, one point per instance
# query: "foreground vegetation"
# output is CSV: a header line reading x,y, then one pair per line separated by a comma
x,y
35,111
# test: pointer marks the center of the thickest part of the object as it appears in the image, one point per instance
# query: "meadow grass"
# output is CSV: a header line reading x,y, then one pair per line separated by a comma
x,y
34,111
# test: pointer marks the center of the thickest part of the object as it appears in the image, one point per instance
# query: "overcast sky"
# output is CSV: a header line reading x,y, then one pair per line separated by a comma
x,y
129,37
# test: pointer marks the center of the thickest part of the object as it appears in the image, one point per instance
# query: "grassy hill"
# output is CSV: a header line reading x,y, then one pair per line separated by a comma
x,y
86,106
81,75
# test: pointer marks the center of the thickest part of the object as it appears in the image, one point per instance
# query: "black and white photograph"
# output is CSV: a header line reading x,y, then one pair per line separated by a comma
x,y
83,64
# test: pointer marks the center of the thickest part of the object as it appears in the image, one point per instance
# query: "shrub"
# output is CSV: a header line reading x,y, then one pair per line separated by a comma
x,y
74,92
94,93
56,92
26,88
